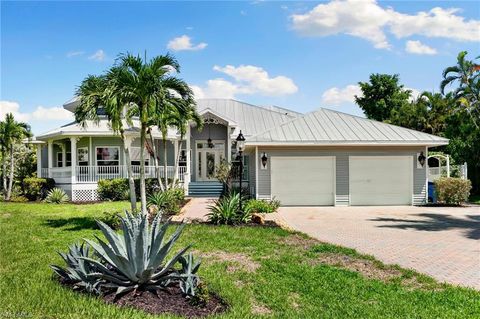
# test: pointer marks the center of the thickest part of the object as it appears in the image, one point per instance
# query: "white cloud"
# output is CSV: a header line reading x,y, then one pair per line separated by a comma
x,y
40,113
243,12
72,54
184,43
247,79
99,55
338,96
417,47
367,20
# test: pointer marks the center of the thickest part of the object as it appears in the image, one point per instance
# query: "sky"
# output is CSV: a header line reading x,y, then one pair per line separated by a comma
x,y
298,55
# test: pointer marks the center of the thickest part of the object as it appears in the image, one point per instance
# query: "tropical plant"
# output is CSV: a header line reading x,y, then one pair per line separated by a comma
x,y
225,210
79,272
136,259
11,133
466,74
167,201
98,93
56,196
189,279
113,189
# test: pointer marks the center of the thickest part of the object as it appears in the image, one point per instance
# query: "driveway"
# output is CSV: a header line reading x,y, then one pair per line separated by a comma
x,y
441,242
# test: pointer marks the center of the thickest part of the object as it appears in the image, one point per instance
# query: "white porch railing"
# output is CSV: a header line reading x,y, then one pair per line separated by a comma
x,y
92,174
459,171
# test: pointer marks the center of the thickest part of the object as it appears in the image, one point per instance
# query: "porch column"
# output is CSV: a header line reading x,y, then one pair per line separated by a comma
x,y
91,154
229,144
50,157
39,160
73,150
187,176
64,154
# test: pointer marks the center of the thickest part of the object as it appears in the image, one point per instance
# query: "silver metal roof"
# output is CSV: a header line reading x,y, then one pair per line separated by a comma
x,y
251,119
328,127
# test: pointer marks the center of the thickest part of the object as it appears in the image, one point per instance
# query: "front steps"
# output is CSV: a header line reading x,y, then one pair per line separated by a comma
x,y
205,189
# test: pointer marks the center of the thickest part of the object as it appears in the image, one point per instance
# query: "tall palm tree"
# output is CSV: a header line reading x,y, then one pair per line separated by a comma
x,y
96,92
12,132
467,74
148,86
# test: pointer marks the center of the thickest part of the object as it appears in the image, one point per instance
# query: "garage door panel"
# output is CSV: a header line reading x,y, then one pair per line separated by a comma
x,y
303,181
382,180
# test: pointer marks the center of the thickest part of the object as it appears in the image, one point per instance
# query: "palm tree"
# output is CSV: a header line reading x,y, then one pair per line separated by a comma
x,y
467,75
148,86
12,132
96,92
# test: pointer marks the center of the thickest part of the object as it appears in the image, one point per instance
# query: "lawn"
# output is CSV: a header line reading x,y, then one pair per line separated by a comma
x,y
258,271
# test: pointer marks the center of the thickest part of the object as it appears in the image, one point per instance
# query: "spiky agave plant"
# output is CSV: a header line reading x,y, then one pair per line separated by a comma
x,y
56,196
136,259
188,274
78,271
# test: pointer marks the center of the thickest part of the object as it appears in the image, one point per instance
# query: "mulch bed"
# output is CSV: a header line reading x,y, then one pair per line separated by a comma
x,y
168,301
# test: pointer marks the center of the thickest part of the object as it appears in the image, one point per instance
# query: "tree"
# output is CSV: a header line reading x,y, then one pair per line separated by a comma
x,y
466,75
95,93
148,86
382,95
12,133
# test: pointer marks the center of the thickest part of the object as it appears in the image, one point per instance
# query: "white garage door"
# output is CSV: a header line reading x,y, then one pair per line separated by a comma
x,y
303,180
381,180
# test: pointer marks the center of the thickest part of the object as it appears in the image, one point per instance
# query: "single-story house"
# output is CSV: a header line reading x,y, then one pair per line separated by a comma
x,y
324,157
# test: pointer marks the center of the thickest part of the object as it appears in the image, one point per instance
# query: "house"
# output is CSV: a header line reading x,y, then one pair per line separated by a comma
x,y
323,157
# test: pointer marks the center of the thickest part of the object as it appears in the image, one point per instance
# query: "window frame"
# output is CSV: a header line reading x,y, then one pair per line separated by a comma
x,y
97,160
78,156
146,158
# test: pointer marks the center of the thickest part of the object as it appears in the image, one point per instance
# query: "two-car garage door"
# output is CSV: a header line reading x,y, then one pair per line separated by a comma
x,y
373,180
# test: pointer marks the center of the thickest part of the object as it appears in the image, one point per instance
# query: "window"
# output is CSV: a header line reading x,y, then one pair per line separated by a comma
x,y
82,156
135,156
108,156
60,159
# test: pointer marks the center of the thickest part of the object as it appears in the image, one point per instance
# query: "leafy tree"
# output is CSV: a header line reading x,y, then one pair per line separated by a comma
x,y
466,76
382,95
97,93
11,134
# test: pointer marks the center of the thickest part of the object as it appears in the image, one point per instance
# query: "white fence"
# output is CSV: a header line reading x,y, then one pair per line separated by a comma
x,y
459,171
92,174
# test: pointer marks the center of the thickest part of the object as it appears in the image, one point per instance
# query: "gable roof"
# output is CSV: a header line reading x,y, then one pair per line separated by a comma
x,y
251,119
328,127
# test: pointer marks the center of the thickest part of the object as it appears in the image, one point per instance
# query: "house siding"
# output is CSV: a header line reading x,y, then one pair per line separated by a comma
x,y
342,167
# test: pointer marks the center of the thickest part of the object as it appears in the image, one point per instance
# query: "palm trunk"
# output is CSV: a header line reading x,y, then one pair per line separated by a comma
x,y
4,173
155,162
177,158
10,182
143,195
131,180
165,167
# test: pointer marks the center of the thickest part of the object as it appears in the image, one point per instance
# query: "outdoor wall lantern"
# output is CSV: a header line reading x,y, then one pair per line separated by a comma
x,y
209,141
421,159
264,159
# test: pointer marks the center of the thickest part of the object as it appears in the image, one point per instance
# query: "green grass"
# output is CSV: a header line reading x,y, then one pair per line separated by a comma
x,y
287,281
475,199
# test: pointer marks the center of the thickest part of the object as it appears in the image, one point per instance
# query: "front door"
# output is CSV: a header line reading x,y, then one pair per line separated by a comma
x,y
208,158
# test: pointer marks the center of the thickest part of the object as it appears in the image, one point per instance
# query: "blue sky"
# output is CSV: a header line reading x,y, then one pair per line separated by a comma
x,y
300,55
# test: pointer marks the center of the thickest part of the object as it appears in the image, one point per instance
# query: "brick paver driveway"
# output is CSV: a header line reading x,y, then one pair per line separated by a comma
x,y
441,242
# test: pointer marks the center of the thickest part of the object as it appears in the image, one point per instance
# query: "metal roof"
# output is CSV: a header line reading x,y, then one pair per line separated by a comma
x,y
328,127
251,119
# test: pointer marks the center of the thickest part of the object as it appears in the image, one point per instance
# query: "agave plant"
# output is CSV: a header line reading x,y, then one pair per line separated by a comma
x,y
57,196
189,279
78,271
136,259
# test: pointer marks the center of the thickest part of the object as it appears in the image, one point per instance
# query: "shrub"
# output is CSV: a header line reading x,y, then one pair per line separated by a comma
x,y
225,211
127,261
112,189
56,196
36,188
111,218
167,201
261,206
452,191
18,199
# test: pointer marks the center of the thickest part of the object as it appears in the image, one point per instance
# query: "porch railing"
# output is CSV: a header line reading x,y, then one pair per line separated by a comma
x,y
92,174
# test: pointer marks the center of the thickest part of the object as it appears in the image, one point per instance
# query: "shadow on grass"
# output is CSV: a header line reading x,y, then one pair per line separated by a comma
x,y
436,222
73,223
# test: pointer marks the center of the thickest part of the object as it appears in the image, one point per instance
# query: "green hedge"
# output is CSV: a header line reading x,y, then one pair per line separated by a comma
x,y
452,191
35,188
118,188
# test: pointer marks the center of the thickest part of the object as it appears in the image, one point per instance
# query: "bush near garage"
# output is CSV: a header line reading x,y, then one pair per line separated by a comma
x,y
452,191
